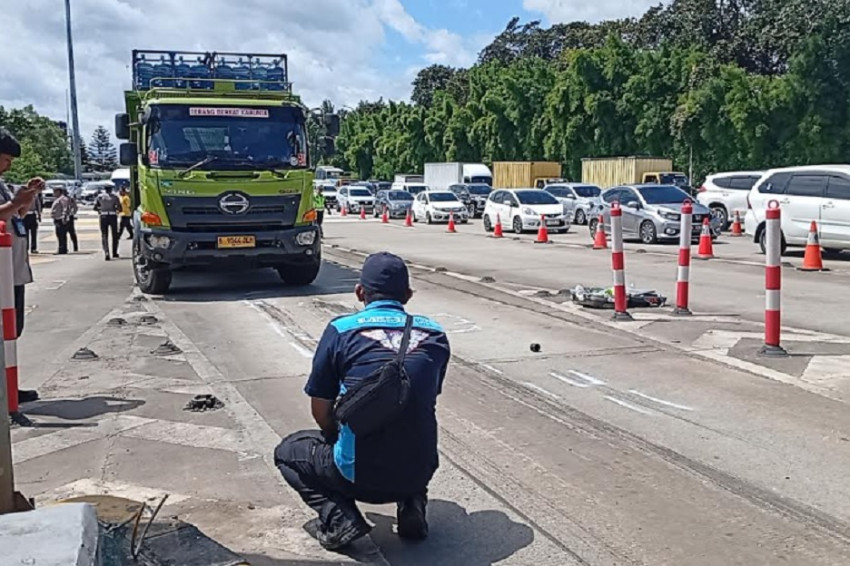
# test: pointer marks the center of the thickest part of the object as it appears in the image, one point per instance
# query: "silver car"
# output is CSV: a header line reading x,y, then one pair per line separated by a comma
x,y
578,199
352,198
652,213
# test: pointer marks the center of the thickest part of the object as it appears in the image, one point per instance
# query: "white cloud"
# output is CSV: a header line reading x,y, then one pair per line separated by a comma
x,y
564,11
332,47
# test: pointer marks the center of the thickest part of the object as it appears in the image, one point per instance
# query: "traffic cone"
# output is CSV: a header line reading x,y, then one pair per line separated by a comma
x,y
543,233
599,240
497,230
385,218
343,211
706,250
452,223
362,213
812,261
737,231
408,220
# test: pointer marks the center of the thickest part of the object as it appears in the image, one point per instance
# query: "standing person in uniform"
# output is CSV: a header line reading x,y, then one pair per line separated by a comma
x,y
319,205
72,221
32,220
126,214
13,208
332,468
108,205
61,214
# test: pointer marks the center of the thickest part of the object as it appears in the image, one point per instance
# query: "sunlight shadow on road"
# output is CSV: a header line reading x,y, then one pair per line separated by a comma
x,y
480,538
81,409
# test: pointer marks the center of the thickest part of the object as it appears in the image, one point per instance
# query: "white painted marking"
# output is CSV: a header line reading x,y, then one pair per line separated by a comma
x,y
55,285
661,401
284,332
491,368
828,370
589,378
133,492
302,350
541,390
192,435
634,408
569,381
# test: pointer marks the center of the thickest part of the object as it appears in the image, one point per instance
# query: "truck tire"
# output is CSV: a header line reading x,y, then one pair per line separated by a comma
x,y
151,280
300,275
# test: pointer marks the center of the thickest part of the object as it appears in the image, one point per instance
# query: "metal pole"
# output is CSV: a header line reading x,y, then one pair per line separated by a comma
x,y
75,121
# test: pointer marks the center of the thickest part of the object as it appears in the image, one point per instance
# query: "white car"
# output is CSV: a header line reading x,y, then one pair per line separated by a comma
x,y
522,209
353,198
813,192
726,193
437,206
579,200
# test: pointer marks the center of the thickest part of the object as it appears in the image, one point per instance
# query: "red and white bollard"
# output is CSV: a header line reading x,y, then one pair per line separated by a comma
x,y
773,281
684,273
618,263
10,325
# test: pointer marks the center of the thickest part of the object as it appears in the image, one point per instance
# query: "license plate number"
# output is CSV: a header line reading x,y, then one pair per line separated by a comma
x,y
237,242
553,223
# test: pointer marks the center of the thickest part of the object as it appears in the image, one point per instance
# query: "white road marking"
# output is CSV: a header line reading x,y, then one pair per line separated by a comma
x,y
569,381
188,434
284,332
660,401
583,380
627,405
55,285
133,492
491,368
541,390
588,378
302,350
457,324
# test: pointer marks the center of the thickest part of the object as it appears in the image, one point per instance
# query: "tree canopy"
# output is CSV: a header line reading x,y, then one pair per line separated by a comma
x,y
44,145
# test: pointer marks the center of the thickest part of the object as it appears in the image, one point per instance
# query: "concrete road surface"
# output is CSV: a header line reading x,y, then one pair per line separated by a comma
x,y
658,441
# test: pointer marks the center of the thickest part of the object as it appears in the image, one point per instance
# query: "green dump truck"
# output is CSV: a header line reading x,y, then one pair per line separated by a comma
x,y
219,167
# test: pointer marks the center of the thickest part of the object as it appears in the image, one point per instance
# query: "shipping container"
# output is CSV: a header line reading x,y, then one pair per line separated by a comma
x,y
525,174
608,172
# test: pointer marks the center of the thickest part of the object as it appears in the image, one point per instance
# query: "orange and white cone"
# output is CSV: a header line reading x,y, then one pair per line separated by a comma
x,y
706,249
408,220
737,230
497,230
385,217
362,212
812,261
542,233
343,211
452,229
600,242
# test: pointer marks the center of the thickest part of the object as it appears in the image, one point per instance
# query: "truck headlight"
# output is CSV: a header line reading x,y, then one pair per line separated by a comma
x,y
160,242
306,238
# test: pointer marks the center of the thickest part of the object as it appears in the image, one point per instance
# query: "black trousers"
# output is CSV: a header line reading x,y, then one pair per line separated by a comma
x,y
72,233
31,224
306,461
109,223
126,224
20,305
61,235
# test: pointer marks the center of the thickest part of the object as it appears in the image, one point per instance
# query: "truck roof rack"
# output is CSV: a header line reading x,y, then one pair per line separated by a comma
x,y
210,71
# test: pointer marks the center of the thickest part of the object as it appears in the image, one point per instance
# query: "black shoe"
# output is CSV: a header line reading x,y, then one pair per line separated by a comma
x,y
412,524
116,256
341,535
27,396
106,257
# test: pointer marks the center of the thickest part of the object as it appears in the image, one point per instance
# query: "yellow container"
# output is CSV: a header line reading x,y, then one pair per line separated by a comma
x,y
524,174
608,172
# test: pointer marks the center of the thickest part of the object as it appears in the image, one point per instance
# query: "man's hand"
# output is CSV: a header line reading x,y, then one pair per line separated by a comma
x,y
323,414
25,197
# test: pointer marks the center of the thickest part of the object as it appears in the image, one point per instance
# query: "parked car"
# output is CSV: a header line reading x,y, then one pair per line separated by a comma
x,y
397,203
90,190
71,189
522,209
579,199
412,188
330,193
381,185
652,213
352,198
371,186
726,193
815,192
473,195
437,206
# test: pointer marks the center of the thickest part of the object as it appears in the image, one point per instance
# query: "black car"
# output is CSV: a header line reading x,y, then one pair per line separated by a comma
x,y
397,203
473,196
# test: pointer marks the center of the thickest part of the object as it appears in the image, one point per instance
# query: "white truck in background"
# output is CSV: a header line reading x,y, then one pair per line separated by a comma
x,y
404,178
440,176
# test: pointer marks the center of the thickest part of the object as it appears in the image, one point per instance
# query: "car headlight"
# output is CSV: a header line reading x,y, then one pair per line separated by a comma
x,y
529,212
675,217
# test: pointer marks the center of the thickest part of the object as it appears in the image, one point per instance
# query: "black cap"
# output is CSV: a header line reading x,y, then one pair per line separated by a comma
x,y
8,144
386,274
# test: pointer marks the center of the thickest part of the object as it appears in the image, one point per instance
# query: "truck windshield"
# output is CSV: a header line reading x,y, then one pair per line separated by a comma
x,y
677,179
481,180
481,190
229,138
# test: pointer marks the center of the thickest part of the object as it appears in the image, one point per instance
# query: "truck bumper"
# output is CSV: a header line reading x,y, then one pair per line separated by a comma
x,y
292,246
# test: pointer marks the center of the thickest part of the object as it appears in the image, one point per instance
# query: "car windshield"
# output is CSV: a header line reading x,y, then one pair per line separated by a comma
x,y
416,189
535,197
230,138
588,191
663,195
442,197
399,195
482,190
677,179
358,192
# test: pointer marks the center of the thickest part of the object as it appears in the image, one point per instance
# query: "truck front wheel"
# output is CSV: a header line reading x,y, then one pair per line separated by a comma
x,y
151,280
300,275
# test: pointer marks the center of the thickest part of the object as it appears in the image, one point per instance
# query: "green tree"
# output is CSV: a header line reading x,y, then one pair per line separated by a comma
x,y
102,152
44,145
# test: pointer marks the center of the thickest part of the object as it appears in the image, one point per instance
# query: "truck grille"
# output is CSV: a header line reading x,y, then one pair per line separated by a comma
x,y
204,214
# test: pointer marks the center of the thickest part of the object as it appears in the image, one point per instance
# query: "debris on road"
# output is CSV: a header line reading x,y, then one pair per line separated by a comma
x,y
84,354
167,348
487,279
117,321
202,403
535,347
148,319
603,298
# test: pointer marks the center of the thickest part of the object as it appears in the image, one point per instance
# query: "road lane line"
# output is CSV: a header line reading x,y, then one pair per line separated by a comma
x,y
588,378
569,381
491,368
541,390
660,401
627,405
283,332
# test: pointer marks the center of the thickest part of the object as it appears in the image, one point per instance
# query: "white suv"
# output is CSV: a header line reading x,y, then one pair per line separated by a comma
x,y
726,193
813,192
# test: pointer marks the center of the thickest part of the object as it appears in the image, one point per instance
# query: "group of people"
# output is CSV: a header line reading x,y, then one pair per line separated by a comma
x,y
64,214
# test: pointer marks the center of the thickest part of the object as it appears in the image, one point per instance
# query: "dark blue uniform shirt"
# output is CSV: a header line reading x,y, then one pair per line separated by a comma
x,y
402,457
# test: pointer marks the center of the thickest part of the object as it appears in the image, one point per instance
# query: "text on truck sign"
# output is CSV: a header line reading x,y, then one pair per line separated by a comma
x,y
230,112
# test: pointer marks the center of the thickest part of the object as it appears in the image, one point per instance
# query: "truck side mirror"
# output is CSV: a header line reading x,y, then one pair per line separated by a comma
x,y
128,154
122,126
328,147
332,124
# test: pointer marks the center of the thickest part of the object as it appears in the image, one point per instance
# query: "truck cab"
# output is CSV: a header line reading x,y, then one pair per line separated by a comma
x,y
668,178
219,167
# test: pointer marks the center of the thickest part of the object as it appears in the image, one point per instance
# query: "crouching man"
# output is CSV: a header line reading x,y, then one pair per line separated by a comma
x,y
333,468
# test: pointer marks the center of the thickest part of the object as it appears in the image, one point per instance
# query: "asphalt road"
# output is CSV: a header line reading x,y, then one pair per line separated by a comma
x,y
660,441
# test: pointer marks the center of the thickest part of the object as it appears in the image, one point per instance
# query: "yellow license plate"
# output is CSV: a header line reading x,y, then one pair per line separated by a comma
x,y
237,242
